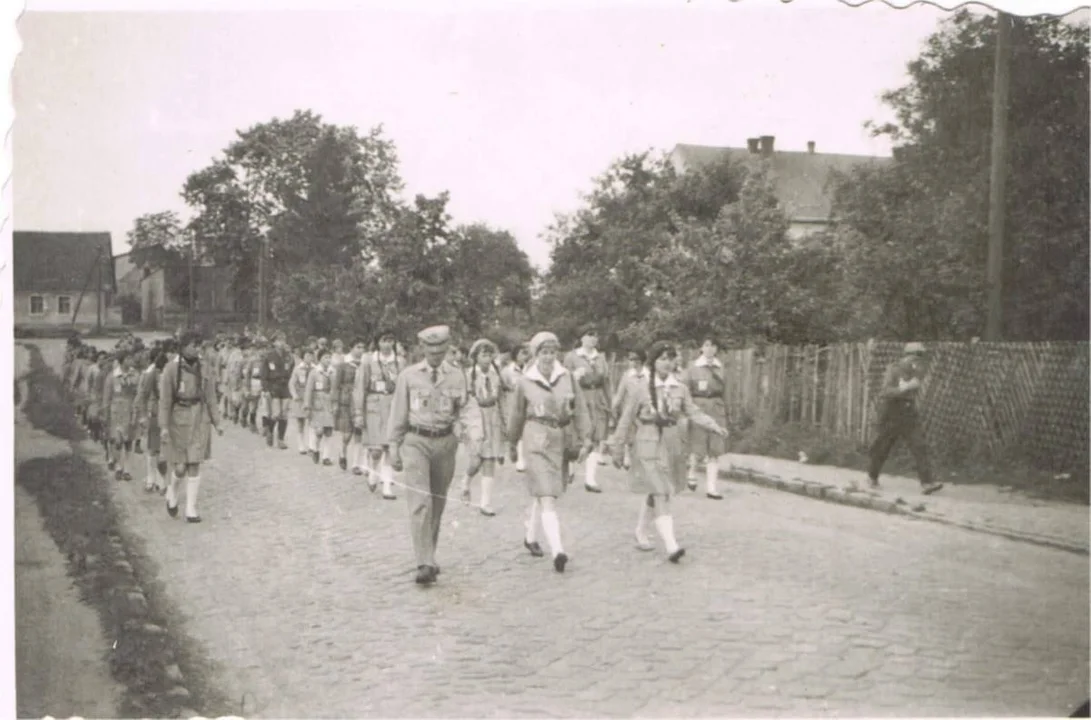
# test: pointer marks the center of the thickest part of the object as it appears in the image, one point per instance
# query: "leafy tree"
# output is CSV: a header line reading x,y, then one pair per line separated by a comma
x,y
611,259
159,241
916,233
309,189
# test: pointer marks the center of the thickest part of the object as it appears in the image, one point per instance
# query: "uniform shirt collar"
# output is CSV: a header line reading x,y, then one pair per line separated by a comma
x,y
669,382
702,361
589,354
533,373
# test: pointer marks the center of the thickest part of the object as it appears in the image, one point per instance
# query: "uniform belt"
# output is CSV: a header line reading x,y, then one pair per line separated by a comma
x,y
660,422
549,421
593,385
706,396
486,403
430,432
187,403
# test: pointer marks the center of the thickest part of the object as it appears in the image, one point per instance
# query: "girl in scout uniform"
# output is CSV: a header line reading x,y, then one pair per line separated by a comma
x,y
344,384
147,410
109,366
372,400
485,386
119,400
187,414
252,387
550,416
509,376
318,401
235,363
588,366
297,386
634,375
649,420
705,380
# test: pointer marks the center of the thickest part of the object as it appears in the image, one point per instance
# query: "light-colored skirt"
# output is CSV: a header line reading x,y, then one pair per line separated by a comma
x,y
321,411
658,464
543,453
377,409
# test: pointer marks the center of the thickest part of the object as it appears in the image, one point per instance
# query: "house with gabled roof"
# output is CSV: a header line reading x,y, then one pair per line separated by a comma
x,y
801,177
63,278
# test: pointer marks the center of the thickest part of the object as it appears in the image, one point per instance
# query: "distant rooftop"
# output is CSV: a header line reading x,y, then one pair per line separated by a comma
x,y
801,177
60,261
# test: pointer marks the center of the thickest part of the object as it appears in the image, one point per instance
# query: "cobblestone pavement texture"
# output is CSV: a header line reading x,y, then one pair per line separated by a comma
x,y
299,584
987,507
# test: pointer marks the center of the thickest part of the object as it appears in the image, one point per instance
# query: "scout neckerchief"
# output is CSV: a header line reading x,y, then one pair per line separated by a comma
x,y
713,366
385,362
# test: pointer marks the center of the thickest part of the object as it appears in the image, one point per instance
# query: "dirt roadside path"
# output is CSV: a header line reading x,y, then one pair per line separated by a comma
x,y
60,649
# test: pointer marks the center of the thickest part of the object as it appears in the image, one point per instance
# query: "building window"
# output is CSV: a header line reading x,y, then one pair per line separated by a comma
x,y
64,304
37,305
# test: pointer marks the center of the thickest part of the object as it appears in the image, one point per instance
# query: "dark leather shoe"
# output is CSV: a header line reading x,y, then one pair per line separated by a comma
x,y
426,575
172,511
343,464
194,519
534,548
559,562
714,496
677,555
592,488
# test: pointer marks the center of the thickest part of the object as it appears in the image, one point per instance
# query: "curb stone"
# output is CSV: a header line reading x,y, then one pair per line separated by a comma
x,y
856,498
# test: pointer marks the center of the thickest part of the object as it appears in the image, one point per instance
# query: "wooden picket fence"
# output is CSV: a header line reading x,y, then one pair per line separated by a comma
x,y
978,400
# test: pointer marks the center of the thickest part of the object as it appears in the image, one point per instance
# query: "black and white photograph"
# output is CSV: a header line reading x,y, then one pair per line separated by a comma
x,y
619,359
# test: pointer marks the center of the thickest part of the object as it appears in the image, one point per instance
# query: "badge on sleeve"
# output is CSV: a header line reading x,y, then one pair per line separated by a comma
x,y
702,386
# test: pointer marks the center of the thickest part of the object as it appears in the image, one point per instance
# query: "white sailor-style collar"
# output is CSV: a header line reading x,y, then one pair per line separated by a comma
x,y
589,354
533,373
667,382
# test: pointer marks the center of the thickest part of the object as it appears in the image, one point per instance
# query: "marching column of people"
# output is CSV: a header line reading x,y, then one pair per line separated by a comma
x,y
545,414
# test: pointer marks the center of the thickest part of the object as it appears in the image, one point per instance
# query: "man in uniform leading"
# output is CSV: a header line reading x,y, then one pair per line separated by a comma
x,y
430,397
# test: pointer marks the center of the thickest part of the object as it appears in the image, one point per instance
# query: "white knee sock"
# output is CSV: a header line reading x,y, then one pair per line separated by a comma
x,y
193,485
692,467
712,475
551,528
486,491
172,489
589,468
642,522
665,525
301,431
387,474
533,518
520,465
150,471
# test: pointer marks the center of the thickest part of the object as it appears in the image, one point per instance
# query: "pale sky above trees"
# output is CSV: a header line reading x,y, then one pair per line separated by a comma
x,y
512,111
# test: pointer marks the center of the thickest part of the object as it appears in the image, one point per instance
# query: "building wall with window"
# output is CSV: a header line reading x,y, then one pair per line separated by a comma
x,y
56,308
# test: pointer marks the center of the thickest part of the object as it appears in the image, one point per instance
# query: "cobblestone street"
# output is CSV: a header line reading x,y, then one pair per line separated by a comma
x,y
300,585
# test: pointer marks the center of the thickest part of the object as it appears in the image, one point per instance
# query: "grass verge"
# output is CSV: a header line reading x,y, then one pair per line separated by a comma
x,y
788,440
109,569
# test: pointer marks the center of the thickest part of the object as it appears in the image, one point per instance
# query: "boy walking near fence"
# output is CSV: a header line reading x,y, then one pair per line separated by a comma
x,y
898,418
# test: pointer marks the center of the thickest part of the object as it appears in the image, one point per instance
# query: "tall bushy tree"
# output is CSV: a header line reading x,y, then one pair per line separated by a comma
x,y
916,233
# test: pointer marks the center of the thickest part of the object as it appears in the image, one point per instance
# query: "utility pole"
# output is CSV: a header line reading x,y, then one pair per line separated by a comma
x,y
261,286
998,176
98,310
192,251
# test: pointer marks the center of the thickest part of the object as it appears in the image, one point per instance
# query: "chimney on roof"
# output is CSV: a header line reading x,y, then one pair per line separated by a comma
x,y
766,145
752,145
810,146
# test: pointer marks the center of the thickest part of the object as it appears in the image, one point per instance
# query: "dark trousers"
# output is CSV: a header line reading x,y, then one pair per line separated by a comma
x,y
898,421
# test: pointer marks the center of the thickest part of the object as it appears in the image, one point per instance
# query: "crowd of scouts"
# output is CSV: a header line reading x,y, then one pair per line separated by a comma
x,y
376,411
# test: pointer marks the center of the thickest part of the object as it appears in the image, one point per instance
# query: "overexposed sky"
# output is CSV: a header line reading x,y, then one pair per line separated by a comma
x,y
512,111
